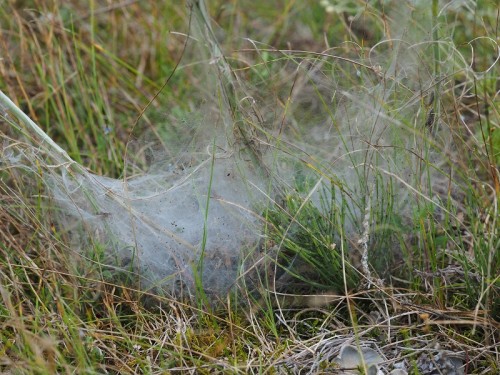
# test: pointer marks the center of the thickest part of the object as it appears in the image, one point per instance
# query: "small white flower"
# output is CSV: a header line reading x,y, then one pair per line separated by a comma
x,y
329,9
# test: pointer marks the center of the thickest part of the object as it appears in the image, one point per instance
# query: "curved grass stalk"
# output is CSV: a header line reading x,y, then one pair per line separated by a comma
x,y
53,148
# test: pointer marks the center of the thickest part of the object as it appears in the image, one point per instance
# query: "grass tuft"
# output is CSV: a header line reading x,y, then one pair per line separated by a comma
x,y
85,73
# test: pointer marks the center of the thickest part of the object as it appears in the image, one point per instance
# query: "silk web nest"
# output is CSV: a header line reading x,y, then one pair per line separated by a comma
x,y
269,192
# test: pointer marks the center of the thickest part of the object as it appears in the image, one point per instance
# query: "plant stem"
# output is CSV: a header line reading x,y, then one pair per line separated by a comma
x,y
41,135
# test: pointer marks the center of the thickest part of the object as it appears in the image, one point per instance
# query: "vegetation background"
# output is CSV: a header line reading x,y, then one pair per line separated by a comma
x,y
85,71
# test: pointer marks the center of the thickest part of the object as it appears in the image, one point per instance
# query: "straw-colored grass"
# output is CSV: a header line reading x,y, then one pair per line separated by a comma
x,y
86,72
